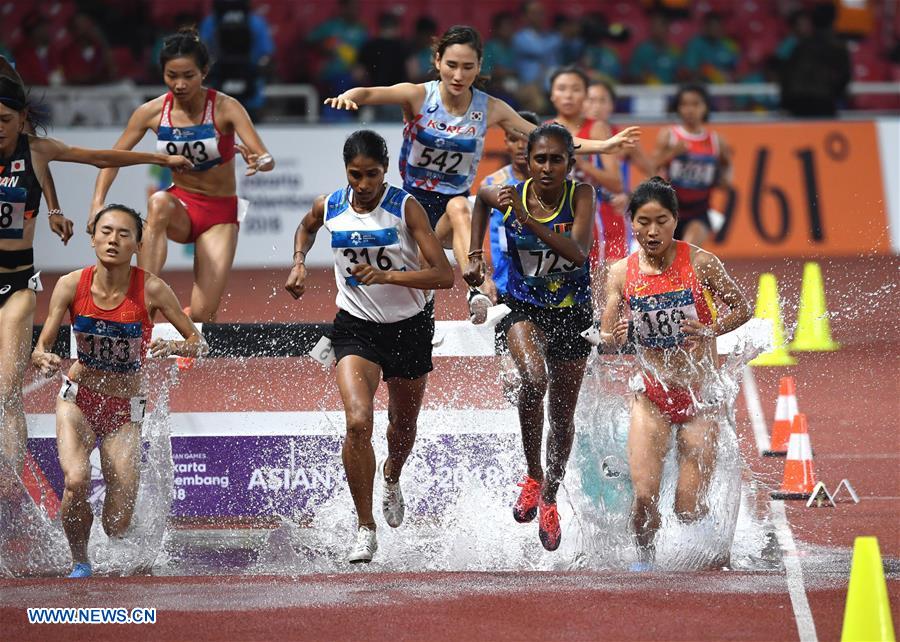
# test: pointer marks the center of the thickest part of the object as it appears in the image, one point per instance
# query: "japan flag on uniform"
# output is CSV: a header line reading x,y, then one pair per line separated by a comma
x,y
18,165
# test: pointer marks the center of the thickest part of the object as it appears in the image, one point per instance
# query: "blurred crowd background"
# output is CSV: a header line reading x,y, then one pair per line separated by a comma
x,y
809,50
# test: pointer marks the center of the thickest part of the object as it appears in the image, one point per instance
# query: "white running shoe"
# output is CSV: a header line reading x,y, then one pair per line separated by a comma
x,y
392,504
365,546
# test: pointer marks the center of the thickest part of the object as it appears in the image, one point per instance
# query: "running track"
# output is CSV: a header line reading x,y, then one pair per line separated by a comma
x,y
850,398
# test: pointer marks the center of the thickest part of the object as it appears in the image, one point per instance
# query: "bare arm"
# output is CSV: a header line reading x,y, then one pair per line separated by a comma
x,y
51,149
486,199
304,238
59,224
613,328
60,300
406,94
437,275
253,150
726,169
506,117
161,297
609,176
134,132
665,150
713,276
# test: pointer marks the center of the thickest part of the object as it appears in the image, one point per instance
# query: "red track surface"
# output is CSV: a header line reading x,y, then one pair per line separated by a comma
x,y
851,398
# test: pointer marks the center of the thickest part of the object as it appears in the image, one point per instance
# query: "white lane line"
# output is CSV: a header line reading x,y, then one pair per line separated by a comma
x,y
793,571
859,456
754,410
37,384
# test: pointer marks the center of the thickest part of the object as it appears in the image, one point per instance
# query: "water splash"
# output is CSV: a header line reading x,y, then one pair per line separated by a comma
x,y
460,518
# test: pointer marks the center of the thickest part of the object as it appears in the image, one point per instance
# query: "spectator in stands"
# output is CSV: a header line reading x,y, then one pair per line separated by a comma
x,y
499,63
655,61
572,46
801,26
536,52
420,64
225,31
86,59
36,60
710,56
814,78
339,39
382,62
600,60
383,58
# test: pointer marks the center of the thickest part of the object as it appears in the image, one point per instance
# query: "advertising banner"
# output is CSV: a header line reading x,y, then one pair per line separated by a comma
x,y
799,189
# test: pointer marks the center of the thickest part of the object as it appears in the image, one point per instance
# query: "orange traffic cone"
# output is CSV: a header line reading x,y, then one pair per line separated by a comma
x,y
799,476
785,411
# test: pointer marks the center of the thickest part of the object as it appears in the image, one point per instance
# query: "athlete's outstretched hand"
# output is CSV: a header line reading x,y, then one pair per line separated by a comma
x,y
255,162
625,139
341,103
62,227
178,163
296,281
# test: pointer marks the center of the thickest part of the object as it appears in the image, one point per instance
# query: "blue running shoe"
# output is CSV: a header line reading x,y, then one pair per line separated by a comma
x,y
81,570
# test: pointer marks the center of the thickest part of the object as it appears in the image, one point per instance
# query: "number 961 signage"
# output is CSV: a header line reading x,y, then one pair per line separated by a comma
x,y
798,189
803,189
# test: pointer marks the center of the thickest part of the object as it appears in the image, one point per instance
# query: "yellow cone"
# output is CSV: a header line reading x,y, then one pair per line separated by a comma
x,y
813,329
867,616
768,307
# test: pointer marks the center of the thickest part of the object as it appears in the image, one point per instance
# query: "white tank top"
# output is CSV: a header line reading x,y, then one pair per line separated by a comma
x,y
381,239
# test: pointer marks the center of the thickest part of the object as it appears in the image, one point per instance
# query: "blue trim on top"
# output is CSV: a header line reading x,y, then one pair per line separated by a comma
x,y
337,203
393,201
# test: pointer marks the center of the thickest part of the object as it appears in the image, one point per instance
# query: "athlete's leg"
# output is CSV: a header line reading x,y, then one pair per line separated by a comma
x,y
16,317
454,229
213,256
166,219
696,460
648,441
695,232
404,402
74,441
526,347
357,380
120,460
564,383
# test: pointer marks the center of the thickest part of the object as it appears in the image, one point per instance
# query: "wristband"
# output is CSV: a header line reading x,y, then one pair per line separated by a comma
x,y
300,252
475,253
54,212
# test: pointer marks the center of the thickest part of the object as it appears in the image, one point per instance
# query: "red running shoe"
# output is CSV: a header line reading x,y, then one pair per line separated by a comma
x,y
526,506
548,526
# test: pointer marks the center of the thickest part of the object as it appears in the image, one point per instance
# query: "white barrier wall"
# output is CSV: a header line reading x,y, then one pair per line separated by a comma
x,y
889,149
309,162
